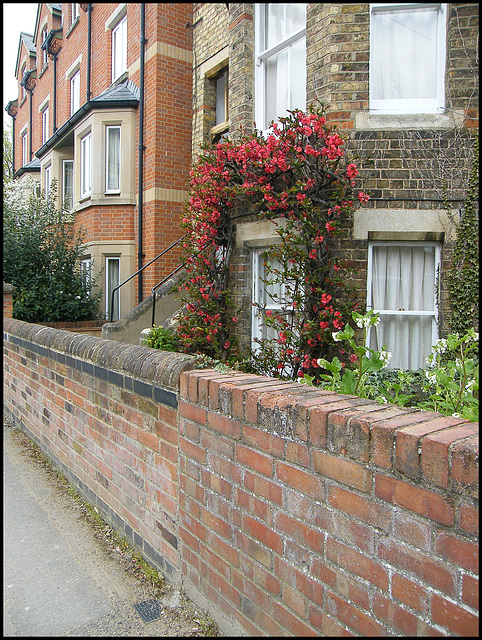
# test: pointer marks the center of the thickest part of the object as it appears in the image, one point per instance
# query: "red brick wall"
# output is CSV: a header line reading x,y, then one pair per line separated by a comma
x,y
282,509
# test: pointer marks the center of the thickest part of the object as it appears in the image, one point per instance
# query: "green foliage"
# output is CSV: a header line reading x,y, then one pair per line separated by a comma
x,y
450,386
463,276
365,361
7,154
162,338
452,383
41,258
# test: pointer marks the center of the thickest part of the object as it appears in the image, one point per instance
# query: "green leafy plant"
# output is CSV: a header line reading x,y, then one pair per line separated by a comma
x,y
452,381
450,384
42,255
162,338
365,361
463,275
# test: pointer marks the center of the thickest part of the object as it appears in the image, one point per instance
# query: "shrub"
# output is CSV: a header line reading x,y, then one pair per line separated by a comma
x,y
41,258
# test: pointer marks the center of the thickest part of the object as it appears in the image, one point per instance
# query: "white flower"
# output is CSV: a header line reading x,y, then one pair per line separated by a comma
x,y
456,415
440,346
335,336
385,357
431,377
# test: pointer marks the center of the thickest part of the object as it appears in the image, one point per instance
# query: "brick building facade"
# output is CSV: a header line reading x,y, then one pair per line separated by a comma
x,y
411,139
211,68
77,120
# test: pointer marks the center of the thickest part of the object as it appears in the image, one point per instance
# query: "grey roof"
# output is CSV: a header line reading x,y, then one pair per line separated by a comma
x,y
28,39
33,165
123,91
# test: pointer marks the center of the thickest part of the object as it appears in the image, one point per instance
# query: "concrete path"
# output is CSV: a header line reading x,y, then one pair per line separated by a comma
x,y
58,580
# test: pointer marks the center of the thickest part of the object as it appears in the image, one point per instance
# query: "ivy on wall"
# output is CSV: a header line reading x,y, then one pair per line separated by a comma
x,y
463,276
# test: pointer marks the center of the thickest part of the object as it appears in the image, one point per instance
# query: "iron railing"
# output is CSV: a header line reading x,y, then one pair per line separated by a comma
x,y
142,269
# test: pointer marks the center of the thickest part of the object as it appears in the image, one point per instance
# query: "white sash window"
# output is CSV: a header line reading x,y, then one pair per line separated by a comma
x,y
402,280
407,57
112,160
280,74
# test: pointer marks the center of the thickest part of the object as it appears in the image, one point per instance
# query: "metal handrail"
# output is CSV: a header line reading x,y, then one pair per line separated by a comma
x,y
159,284
138,271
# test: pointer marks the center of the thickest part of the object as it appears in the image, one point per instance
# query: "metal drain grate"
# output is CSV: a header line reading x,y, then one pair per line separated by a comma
x,y
149,610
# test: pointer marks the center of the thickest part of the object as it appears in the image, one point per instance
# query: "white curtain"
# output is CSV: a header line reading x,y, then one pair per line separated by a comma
x,y
403,279
403,56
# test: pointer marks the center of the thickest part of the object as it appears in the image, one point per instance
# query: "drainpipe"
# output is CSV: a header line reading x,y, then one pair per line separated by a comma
x,y
143,41
55,92
89,47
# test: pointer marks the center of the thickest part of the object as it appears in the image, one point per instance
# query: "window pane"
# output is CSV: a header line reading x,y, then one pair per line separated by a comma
x,y
85,166
119,49
298,75
113,159
75,93
275,30
221,99
295,17
403,279
112,281
277,88
403,50
408,338
68,185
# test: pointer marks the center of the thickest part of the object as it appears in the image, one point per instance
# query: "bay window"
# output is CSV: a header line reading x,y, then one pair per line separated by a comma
x,y
402,280
280,74
112,158
407,57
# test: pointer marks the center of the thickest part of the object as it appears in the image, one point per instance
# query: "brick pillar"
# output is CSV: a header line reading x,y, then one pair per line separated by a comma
x,y
8,290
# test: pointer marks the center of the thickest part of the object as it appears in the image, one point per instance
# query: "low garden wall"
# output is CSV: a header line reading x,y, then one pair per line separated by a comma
x,y
279,508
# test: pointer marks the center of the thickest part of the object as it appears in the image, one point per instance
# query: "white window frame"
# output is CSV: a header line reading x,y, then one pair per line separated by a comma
x,y
65,163
22,86
119,48
415,105
86,268
47,181
45,125
45,57
402,312
85,165
74,8
112,190
262,54
109,289
75,92
24,138
257,327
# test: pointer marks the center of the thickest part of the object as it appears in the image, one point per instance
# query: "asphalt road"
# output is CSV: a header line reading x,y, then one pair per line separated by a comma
x,y
58,579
